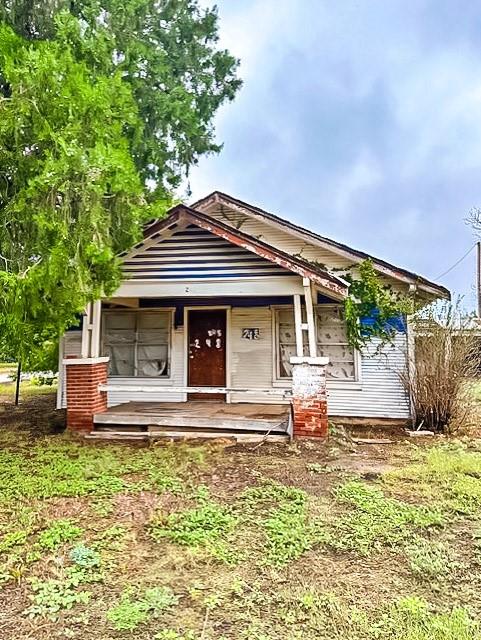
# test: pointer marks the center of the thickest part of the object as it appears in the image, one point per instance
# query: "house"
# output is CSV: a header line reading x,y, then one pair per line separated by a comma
x,y
231,318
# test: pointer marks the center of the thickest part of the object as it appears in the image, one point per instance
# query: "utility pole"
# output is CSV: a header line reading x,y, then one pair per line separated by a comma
x,y
17,383
478,277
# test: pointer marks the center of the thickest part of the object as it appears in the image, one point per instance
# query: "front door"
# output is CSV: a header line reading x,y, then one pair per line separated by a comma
x,y
207,352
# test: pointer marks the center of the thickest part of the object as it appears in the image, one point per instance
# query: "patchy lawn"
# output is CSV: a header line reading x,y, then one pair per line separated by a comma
x,y
177,542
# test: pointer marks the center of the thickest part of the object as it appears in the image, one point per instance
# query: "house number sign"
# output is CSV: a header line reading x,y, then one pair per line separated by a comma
x,y
251,333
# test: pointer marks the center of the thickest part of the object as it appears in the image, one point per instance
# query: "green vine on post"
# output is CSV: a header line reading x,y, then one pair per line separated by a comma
x,y
370,298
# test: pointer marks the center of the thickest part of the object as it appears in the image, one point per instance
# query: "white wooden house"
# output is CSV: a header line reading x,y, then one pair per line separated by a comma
x,y
230,317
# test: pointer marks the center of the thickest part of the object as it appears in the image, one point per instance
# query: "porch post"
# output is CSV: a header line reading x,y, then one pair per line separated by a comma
x,y
311,327
309,395
85,374
298,324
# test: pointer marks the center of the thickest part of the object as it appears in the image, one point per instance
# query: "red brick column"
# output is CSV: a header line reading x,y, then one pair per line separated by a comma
x,y
309,397
83,396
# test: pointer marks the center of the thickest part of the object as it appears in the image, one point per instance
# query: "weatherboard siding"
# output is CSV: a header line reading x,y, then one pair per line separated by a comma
x,y
379,394
70,347
283,240
289,243
252,360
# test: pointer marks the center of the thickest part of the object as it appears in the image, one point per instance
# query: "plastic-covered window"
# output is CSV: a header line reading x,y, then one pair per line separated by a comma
x,y
286,337
138,343
331,342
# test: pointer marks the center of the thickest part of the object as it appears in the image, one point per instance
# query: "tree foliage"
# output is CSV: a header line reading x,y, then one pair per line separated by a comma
x,y
104,107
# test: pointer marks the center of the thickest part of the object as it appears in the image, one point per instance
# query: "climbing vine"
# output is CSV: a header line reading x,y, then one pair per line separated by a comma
x,y
371,307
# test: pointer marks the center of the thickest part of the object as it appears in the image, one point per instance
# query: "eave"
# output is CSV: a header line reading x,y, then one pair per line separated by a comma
x,y
334,285
431,288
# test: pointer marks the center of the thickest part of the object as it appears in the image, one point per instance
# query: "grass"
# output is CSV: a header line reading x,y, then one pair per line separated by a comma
x,y
210,543
28,389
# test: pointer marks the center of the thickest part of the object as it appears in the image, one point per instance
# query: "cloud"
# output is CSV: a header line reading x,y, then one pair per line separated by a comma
x,y
360,119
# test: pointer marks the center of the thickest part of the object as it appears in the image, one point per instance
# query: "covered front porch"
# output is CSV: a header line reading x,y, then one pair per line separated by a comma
x,y
208,314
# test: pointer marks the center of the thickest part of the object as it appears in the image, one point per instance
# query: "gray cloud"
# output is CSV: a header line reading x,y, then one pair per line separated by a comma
x,y
361,120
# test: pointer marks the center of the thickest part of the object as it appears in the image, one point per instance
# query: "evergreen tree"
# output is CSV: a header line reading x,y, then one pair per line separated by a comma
x,y
104,107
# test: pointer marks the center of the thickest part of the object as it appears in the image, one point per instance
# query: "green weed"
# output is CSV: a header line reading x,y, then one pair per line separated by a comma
x,y
429,558
131,612
50,597
59,532
13,539
59,467
288,530
195,527
448,475
374,520
85,557
412,619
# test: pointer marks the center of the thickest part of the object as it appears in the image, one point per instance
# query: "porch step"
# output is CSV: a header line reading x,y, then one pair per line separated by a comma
x,y
242,438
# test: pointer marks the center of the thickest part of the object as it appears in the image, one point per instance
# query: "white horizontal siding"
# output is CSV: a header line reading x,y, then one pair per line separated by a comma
x,y
279,238
251,360
286,241
381,394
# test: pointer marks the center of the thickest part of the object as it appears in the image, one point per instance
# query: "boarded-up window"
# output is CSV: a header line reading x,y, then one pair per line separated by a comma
x,y
331,342
138,343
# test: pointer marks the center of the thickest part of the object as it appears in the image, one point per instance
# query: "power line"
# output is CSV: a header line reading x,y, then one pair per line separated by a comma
x,y
456,263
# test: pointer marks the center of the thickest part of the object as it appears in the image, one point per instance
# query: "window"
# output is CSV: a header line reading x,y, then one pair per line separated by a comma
x,y
286,342
331,342
138,343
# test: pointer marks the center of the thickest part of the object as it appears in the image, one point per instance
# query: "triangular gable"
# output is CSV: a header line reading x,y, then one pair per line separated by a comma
x,y
335,248
190,245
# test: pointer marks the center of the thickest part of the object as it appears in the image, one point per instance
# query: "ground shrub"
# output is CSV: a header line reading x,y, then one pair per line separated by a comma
x,y
441,372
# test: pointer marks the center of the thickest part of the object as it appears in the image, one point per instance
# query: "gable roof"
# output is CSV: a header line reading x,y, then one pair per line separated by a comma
x,y
181,214
355,255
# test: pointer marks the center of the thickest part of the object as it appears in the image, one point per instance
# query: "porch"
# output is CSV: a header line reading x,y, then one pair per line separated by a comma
x,y
244,422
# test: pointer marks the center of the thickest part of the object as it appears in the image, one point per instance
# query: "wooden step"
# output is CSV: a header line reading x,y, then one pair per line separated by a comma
x,y
244,438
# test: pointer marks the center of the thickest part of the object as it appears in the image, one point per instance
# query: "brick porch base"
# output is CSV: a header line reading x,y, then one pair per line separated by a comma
x,y
83,396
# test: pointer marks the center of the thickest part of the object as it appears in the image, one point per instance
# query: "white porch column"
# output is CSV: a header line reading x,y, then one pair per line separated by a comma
x,y
91,330
311,325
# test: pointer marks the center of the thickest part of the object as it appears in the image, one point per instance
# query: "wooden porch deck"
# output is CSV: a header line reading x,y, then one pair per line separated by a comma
x,y
193,419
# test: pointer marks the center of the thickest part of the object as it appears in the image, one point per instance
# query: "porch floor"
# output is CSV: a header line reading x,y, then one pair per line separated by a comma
x,y
212,418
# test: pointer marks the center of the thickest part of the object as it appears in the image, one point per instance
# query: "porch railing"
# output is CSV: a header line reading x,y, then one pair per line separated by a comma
x,y
284,393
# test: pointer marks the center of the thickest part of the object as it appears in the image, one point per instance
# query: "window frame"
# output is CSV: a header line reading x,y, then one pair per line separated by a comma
x,y
278,381
138,311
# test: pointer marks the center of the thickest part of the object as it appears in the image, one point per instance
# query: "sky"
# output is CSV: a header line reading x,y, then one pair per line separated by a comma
x,y
360,120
